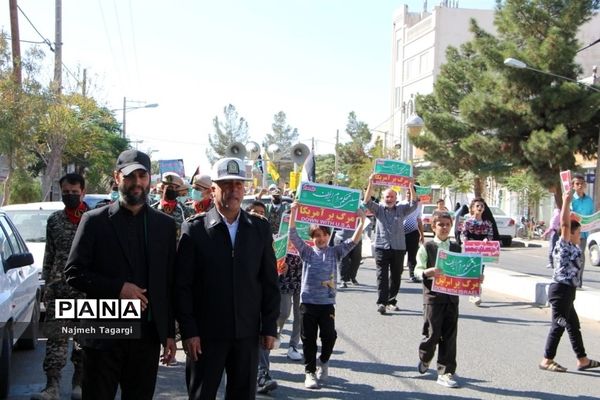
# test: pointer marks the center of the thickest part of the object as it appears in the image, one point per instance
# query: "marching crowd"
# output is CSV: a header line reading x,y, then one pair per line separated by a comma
x,y
204,269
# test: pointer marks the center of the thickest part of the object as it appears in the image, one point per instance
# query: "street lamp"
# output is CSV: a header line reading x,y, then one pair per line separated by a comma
x,y
414,125
514,63
125,109
518,64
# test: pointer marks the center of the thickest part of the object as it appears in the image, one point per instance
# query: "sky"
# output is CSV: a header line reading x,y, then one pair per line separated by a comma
x,y
315,60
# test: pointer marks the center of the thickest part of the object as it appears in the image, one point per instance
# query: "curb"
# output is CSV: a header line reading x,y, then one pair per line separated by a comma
x,y
535,290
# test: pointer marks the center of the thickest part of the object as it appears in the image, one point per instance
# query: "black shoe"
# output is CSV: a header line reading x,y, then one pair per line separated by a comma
x,y
265,384
381,309
355,282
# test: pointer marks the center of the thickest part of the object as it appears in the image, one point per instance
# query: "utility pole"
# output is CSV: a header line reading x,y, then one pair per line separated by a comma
x,y
84,83
124,116
58,46
335,169
15,39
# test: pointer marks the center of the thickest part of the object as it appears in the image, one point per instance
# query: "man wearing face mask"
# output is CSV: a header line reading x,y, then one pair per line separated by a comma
x,y
171,183
202,199
275,208
60,232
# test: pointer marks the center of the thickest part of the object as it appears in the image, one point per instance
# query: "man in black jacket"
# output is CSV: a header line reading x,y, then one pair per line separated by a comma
x,y
226,291
127,251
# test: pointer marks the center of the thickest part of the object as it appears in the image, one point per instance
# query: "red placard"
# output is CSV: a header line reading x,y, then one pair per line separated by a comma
x,y
391,180
325,216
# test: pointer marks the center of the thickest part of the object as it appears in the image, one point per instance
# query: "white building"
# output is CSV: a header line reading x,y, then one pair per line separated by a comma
x,y
419,43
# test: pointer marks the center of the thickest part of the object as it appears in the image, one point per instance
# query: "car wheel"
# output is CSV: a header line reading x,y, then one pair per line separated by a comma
x,y
595,254
506,241
28,340
5,356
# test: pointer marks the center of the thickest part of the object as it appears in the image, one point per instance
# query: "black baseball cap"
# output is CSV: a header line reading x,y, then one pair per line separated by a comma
x,y
130,160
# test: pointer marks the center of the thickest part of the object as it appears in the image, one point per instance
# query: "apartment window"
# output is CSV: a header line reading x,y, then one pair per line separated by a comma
x,y
411,68
398,49
397,98
425,63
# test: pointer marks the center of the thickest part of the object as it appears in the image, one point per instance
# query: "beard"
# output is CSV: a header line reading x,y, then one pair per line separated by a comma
x,y
129,198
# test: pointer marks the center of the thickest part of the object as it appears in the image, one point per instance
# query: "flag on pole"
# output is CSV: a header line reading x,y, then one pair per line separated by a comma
x,y
271,169
308,170
259,164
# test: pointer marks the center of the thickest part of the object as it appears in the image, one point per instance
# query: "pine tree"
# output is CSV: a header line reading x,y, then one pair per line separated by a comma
x,y
232,129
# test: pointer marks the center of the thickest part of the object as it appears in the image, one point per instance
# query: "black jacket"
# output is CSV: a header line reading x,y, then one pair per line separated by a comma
x,y
99,255
224,291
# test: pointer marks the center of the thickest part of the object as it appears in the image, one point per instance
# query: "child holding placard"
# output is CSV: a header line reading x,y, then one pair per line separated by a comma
x,y
317,293
440,310
561,293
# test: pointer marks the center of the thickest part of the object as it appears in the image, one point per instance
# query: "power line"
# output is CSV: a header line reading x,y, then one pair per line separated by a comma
x,y
112,53
135,57
121,40
46,41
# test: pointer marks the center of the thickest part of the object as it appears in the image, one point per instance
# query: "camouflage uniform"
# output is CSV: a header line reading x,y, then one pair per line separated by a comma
x,y
60,232
274,215
178,215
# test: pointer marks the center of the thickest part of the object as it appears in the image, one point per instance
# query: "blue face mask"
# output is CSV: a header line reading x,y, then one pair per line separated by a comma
x,y
114,195
197,195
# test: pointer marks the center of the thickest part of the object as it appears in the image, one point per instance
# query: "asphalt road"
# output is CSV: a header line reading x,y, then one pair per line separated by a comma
x,y
499,347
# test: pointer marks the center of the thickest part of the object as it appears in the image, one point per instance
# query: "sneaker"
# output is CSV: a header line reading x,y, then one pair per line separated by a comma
x,y
381,309
475,300
322,371
549,266
447,380
294,354
355,282
423,367
392,307
264,383
343,285
310,382
414,279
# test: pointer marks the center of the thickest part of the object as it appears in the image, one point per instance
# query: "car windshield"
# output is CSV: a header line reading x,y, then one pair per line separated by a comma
x,y
31,223
497,212
428,209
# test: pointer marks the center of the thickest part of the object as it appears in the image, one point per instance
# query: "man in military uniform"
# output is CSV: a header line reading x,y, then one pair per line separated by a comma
x,y
60,231
275,208
171,184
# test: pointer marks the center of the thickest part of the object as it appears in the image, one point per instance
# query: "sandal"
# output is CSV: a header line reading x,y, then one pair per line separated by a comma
x,y
591,364
554,367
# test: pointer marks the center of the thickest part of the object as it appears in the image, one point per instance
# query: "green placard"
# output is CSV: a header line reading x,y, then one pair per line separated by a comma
x,y
280,245
459,265
588,222
332,197
301,227
392,167
422,190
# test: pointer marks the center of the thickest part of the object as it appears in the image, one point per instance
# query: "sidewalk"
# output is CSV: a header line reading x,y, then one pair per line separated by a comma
x,y
530,288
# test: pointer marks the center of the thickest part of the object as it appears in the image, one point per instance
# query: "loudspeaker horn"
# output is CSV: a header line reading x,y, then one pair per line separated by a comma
x,y
237,150
299,152
253,150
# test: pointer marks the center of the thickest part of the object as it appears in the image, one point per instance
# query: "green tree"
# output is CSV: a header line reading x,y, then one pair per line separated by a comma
x,y
530,191
25,188
17,118
283,136
501,118
232,128
354,161
449,139
324,167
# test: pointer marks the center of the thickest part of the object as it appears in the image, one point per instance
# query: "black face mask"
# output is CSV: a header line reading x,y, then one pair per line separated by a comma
x,y
71,200
276,199
170,194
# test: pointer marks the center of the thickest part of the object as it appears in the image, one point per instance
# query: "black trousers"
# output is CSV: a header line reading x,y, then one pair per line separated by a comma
x,y
564,316
349,264
440,328
238,357
412,246
389,265
132,364
315,318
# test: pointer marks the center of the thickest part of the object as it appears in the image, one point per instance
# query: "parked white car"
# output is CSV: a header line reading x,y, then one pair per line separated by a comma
x,y
19,298
30,219
593,245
